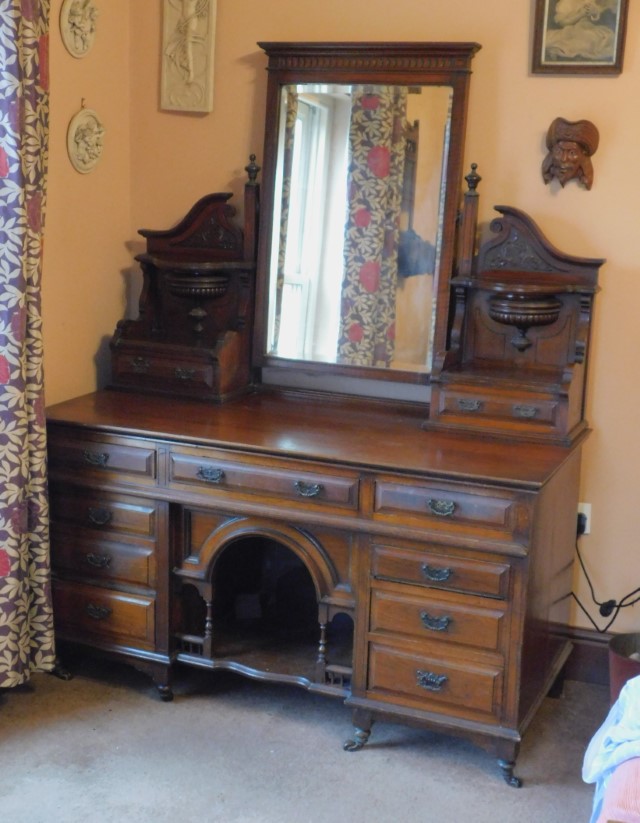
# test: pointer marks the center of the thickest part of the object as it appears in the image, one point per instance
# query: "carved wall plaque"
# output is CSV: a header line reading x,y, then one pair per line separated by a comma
x,y
188,42
78,26
85,140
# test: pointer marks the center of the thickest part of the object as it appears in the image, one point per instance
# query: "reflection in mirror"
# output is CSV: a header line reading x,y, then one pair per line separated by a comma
x,y
357,223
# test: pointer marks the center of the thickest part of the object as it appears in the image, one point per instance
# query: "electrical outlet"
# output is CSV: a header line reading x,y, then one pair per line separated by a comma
x,y
585,509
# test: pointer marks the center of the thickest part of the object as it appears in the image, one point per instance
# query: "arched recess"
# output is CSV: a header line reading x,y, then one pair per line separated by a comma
x,y
321,569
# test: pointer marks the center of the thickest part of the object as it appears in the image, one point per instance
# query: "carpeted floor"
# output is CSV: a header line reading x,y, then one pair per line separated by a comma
x,y
103,748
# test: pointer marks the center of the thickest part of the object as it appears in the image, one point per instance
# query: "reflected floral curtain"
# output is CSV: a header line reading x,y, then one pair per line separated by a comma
x,y
291,104
376,171
26,625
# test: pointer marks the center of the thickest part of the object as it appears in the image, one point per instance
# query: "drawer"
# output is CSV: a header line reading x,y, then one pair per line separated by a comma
x,y
133,564
442,571
537,412
82,611
213,472
166,372
100,457
476,511
434,682
454,618
105,512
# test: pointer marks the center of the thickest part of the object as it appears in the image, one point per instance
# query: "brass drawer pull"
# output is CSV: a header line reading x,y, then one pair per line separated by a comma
x,y
469,405
308,489
98,612
140,365
98,561
436,575
210,475
441,508
435,624
431,681
527,412
184,374
99,517
95,458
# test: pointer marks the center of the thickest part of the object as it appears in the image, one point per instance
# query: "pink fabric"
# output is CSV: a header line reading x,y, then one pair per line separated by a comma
x,y
622,796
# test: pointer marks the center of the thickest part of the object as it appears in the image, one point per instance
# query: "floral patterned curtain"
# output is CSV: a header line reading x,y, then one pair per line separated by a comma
x,y
26,626
376,171
291,107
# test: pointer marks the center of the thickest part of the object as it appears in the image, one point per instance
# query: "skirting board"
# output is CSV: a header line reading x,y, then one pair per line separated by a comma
x,y
589,660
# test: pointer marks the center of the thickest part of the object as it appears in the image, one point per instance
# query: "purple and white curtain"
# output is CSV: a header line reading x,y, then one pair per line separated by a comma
x,y
26,624
376,172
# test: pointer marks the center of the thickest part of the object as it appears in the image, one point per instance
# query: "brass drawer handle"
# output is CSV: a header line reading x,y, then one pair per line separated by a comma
x,y
431,681
184,374
308,489
98,561
95,458
98,612
527,412
435,574
441,508
469,405
99,517
435,624
210,475
140,365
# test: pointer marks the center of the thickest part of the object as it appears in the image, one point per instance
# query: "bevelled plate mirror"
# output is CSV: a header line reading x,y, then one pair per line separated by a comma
x,y
361,186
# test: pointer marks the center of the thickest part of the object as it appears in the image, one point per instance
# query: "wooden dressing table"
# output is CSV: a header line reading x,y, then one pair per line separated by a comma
x,y
347,545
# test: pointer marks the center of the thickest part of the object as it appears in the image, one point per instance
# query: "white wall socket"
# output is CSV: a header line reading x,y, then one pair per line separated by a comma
x,y
585,508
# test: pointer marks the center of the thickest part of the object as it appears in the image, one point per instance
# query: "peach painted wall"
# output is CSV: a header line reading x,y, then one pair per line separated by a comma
x,y
158,163
88,220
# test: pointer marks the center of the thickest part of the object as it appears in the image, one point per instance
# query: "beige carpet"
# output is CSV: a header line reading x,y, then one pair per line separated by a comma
x,y
103,748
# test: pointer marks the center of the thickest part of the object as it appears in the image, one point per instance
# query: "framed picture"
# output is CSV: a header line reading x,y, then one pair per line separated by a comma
x,y
578,37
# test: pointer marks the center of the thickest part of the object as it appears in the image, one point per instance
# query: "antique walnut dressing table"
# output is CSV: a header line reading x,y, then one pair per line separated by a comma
x,y
411,560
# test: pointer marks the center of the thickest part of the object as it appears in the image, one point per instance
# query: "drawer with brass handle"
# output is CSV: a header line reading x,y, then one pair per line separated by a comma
x,y
288,482
435,683
105,512
82,610
458,619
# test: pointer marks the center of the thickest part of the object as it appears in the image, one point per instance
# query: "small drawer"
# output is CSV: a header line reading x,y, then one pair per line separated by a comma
x,y
434,682
453,619
163,373
534,411
104,512
82,611
437,570
476,511
292,482
100,457
132,564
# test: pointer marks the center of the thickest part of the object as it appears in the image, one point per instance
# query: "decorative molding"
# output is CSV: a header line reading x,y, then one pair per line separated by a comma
x,y
85,140
188,46
78,26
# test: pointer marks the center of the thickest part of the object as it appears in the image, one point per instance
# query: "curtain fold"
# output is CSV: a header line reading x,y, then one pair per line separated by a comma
x,y
376,172
26,622
291,106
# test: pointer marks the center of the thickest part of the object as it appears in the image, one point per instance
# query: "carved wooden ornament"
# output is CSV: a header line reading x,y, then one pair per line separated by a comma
x,y
570,148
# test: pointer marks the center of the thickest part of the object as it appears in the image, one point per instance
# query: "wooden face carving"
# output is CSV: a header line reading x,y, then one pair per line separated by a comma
x,y
570,146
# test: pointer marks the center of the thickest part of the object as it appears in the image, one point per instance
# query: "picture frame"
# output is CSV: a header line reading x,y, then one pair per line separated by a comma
x,y
573,37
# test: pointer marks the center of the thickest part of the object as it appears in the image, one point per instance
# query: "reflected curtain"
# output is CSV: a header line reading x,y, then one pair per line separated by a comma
x,y
26,625
376,172
291,105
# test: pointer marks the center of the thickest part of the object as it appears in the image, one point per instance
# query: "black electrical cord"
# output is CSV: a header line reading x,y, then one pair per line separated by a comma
x,y
609,606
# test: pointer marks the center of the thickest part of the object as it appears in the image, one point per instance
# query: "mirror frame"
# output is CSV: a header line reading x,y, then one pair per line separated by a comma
x,y
411,64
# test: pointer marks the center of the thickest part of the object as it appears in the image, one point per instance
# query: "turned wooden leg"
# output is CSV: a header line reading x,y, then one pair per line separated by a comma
x,y
362,722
